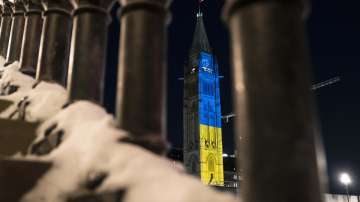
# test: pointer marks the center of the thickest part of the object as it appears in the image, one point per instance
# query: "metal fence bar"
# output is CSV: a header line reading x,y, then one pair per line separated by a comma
x,y
55,41
88,50
276,123
142,69
5,27
17,32
32,34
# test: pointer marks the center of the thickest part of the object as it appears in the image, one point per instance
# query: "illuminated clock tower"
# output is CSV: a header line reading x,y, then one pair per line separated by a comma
x,y
202,111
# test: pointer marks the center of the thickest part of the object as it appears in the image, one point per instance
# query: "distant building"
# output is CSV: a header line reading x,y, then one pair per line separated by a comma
x,y
202,111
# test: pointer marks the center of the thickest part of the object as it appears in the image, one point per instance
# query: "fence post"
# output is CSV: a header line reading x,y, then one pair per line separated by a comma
x,y
141,106
32,34
277,128
88,49
17,32
5,27
54,50
1,14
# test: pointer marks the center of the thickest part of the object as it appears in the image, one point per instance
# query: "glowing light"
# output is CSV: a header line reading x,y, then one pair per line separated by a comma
x,y
345,178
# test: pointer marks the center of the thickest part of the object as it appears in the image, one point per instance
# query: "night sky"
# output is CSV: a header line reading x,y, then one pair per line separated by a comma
x,y
334,39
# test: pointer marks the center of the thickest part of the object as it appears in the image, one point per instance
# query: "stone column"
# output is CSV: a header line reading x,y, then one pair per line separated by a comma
x,y
32,34
1,15
5,27
88,50
277,130
54,51
17,32
141,99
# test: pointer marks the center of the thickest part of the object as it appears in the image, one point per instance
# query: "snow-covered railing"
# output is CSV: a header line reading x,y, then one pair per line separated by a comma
x,y
341,198
59,168
79,150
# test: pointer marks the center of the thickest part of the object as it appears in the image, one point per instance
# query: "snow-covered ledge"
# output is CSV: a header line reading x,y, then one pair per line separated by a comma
x,y
341,198
32,101
12,80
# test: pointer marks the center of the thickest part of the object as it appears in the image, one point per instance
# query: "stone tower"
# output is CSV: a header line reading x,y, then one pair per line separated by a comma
x,y
202,111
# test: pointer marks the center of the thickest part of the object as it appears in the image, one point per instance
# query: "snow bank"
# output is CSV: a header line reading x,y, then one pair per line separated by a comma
x,y
32,101
36,104
12,80
91,146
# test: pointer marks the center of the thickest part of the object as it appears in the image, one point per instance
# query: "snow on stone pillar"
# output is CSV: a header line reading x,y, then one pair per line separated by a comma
x,y
55,41
32,35
5,27
277,129
88,50
142,70
17,32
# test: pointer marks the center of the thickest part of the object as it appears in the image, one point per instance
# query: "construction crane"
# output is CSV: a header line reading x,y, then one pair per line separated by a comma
x,y
314,87
227,117
326,83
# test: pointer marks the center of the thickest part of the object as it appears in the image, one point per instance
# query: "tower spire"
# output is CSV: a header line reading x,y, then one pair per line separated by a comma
x,y
200,40
199,12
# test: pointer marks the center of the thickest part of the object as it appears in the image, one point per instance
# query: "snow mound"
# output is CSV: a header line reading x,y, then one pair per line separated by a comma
x,y
37,104
92,156
12,80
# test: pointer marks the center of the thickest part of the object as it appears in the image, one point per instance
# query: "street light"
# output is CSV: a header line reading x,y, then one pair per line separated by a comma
x,y
346,180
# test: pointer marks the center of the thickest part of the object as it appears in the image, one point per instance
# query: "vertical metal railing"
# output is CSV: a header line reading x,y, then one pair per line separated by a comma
x,y
17,32
32,35
88,50
1,15
5,27
276,123
55,41
142,69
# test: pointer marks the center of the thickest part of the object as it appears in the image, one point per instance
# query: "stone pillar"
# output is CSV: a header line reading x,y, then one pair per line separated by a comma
x,y
54,51
17,32
1,16
88,50
32,34
5,27
277,131
141,99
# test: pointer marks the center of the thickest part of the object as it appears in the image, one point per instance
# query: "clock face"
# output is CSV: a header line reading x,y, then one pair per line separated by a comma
x,y
205,65
205,62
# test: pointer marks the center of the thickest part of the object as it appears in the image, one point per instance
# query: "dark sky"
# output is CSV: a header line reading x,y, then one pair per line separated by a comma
x,y
335,44
334,38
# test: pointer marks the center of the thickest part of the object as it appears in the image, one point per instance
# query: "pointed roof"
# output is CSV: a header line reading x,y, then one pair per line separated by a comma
x,y
200,40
